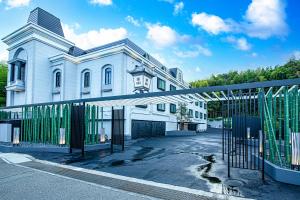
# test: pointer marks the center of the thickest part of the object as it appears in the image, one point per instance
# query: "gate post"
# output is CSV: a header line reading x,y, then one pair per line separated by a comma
x,y
77,135
261,99
111,131
223,131
228,134
263,136
117,128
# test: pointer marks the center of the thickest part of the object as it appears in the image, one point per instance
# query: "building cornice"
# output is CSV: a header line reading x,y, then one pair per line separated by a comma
x,y
33,31
122,48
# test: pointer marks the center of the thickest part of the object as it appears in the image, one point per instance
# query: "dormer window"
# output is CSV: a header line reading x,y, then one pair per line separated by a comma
x,y
180,76
146,55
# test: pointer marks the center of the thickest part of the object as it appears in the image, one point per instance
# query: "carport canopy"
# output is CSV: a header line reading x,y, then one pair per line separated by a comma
x,y
207,94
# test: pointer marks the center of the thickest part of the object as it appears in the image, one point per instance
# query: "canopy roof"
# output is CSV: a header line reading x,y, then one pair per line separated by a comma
x,y
207,94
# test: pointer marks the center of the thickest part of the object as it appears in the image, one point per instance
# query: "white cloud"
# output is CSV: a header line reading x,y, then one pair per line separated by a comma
x,y
266,18
210,23
198,69
254,55
161,36
3,52
296,55
168,1
101,2
3,55
133,21
178,7
195,51
94,38
263,19
160,58
16,3
239,43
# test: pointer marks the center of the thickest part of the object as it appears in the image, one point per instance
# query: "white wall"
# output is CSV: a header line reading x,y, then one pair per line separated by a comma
x,y
40,82
24,97
215,123
43,79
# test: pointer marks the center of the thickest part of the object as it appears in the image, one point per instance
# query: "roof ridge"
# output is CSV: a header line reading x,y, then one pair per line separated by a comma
x,y
46,20
41,9
126,41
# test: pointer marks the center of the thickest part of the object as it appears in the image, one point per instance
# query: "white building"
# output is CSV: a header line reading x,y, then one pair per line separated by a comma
x,y
44,66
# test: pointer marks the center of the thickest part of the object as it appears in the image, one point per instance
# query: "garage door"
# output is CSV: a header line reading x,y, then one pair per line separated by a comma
x,y
142,129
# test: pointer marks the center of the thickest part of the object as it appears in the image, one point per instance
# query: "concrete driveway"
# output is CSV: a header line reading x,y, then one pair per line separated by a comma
x,y
194,162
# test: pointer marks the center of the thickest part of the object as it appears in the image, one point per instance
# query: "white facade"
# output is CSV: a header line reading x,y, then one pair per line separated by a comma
x,y
42,69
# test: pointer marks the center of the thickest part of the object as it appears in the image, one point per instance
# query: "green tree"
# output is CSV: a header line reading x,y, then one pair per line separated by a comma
x,y
3,81
182,114
289,70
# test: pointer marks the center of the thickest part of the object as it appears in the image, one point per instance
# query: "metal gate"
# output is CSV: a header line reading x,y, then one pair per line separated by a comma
x,y
143,128
242,136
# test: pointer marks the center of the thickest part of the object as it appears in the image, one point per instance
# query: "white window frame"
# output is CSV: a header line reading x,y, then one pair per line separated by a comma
x,y
107,87
56,90
86,90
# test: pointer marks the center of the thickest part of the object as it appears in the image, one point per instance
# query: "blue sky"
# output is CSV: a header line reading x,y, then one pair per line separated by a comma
x,y
202,37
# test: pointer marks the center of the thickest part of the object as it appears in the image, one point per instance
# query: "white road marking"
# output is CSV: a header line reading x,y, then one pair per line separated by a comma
x,y
15,158
86,182
145,182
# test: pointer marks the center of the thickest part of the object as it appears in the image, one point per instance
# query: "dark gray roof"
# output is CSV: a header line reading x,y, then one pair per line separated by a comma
x,y
75,51
46,20
50,22
173,72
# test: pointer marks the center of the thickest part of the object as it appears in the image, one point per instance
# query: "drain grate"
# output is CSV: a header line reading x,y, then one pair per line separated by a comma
x,y
129,186
231,187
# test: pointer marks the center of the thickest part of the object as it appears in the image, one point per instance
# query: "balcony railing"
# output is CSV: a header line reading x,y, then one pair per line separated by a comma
x,y
17,86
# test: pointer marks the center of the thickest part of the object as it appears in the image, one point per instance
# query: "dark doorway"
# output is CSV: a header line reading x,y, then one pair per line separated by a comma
x,y
142,129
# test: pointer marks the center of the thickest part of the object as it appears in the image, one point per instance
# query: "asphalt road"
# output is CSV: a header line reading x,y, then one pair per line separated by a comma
x,y
19,183
194,162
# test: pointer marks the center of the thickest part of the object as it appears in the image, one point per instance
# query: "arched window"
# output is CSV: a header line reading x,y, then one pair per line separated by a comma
x,y
57,79
17,67
107,76
86,79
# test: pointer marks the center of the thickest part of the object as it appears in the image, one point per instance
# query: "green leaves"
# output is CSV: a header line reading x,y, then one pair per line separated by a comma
x,y
3,81
287,71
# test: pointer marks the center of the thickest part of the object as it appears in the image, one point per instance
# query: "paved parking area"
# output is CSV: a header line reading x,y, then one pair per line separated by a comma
x,y
194,162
